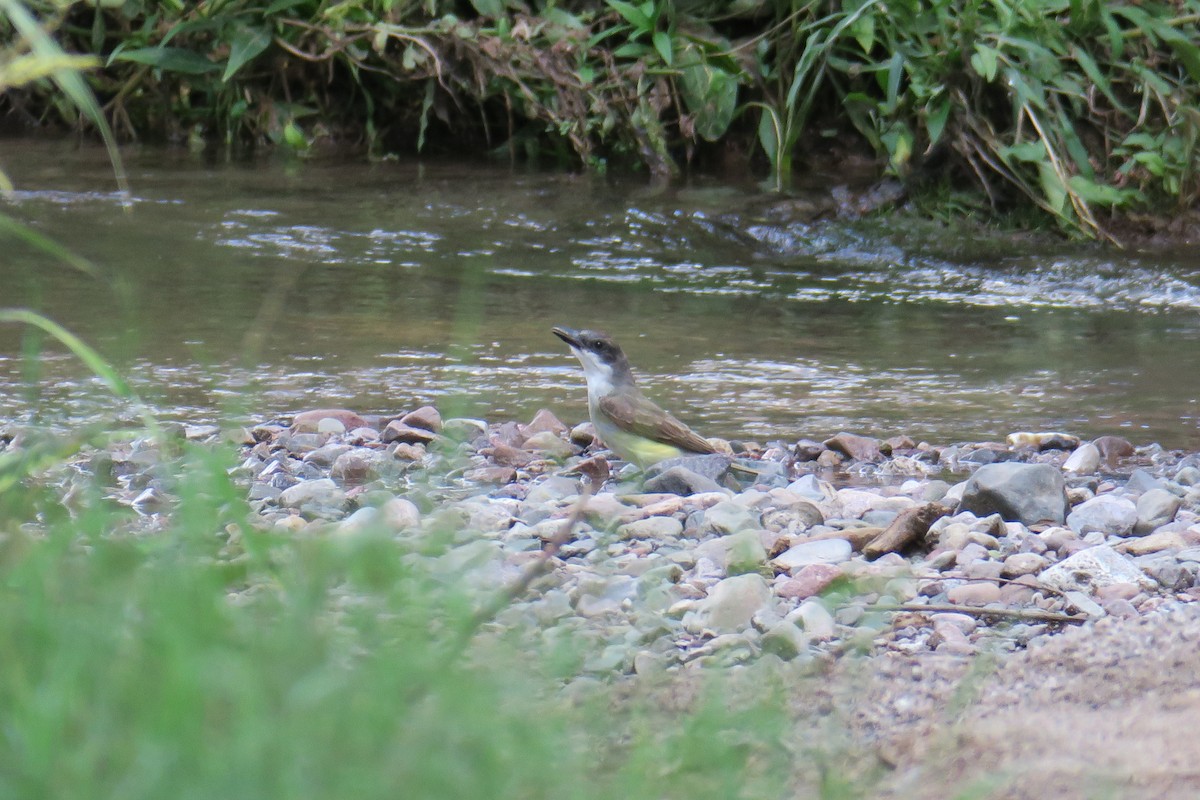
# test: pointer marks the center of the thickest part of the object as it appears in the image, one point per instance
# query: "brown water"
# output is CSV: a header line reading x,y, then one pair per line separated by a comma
x,y
246,290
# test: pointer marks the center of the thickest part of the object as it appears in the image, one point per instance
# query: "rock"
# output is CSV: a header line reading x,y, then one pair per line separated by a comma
x,y
785,640
1168,572
1043,441
496,475
663,529
681,481
463,429
397,431
1154,543
732,602
712,466
965,623
425,417
350,469
1090,569
308,421
809,581
728,517
320,492
896,443
550,445
408,452
583,434
325,455
818,623
1027,493
1019,564
360,520
1084,461
973,594
808,450
1113,448
1106,513
543,421
508,456
861,448
331,426
1082,603
1155,508
821,551
809,487
1141,481
400,514
744,553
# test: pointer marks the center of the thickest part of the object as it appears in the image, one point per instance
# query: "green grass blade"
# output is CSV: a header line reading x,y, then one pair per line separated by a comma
x,y
19,230
69,81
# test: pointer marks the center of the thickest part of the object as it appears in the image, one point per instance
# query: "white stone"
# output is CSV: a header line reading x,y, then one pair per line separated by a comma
x,y
1092,568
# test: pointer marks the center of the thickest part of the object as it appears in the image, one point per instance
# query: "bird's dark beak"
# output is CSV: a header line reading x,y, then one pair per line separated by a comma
x,y
569,336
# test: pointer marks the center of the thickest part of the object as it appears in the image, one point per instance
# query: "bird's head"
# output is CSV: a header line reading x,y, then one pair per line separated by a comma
x,y
604,362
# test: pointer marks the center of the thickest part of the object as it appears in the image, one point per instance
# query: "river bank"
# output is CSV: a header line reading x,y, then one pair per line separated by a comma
x,y
1037,572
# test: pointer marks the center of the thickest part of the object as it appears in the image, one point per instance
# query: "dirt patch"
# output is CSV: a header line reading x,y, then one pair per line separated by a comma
x,y
1102,711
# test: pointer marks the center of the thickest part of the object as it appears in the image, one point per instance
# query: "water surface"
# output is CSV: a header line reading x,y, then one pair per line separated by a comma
x,y
250,289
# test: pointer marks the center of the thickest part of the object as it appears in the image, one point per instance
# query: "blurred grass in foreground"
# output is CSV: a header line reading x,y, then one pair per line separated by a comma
x,y
213,660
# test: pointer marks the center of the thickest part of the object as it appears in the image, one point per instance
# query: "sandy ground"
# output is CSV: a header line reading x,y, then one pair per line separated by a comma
x,y
1110,710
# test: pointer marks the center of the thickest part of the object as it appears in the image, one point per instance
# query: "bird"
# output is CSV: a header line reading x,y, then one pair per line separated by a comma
x,y
631,424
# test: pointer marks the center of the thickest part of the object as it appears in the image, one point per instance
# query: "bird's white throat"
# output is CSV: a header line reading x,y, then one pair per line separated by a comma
x,y
598,374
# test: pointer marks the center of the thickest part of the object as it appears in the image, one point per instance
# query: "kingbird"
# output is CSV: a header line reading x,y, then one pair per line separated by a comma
x,y
626,420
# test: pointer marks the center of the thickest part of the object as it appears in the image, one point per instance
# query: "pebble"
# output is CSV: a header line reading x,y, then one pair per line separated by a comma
x,y
821,551
665,560
1106,514
319,492
973,594
1090,569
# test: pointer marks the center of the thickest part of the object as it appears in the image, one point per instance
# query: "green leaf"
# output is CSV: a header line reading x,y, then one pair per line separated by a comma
x,y
895,74
1029,152
662,43
1052,187
632,50
488,8
33,238
281,5
171,59
937,112
769,133
1101,194
710,93
247,43
294,137
985,61
632,14
1187,52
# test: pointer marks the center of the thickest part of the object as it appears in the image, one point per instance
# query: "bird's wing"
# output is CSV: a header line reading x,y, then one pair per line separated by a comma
x,y
642,417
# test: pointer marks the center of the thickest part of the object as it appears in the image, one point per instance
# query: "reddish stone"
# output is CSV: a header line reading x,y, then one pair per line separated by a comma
x,y
809,581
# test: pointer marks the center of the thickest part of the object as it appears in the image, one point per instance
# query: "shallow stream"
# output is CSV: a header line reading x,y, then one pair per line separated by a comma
x,y
234,290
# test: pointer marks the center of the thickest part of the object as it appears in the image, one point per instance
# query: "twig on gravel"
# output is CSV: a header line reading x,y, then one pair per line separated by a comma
x,y
983,611
906,528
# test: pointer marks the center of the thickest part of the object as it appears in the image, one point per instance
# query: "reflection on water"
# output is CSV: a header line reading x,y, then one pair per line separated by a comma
x,y
256,289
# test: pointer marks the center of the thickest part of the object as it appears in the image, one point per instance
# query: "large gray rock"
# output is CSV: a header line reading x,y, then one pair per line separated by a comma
x,y
1108,514
1025,493
1091,569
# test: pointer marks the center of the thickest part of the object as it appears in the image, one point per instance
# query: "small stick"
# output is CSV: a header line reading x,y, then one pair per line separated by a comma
x,y
980,611
908,526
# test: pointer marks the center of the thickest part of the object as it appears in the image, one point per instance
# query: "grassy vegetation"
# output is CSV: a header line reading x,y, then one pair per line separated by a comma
x,y
216,660
1081,107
